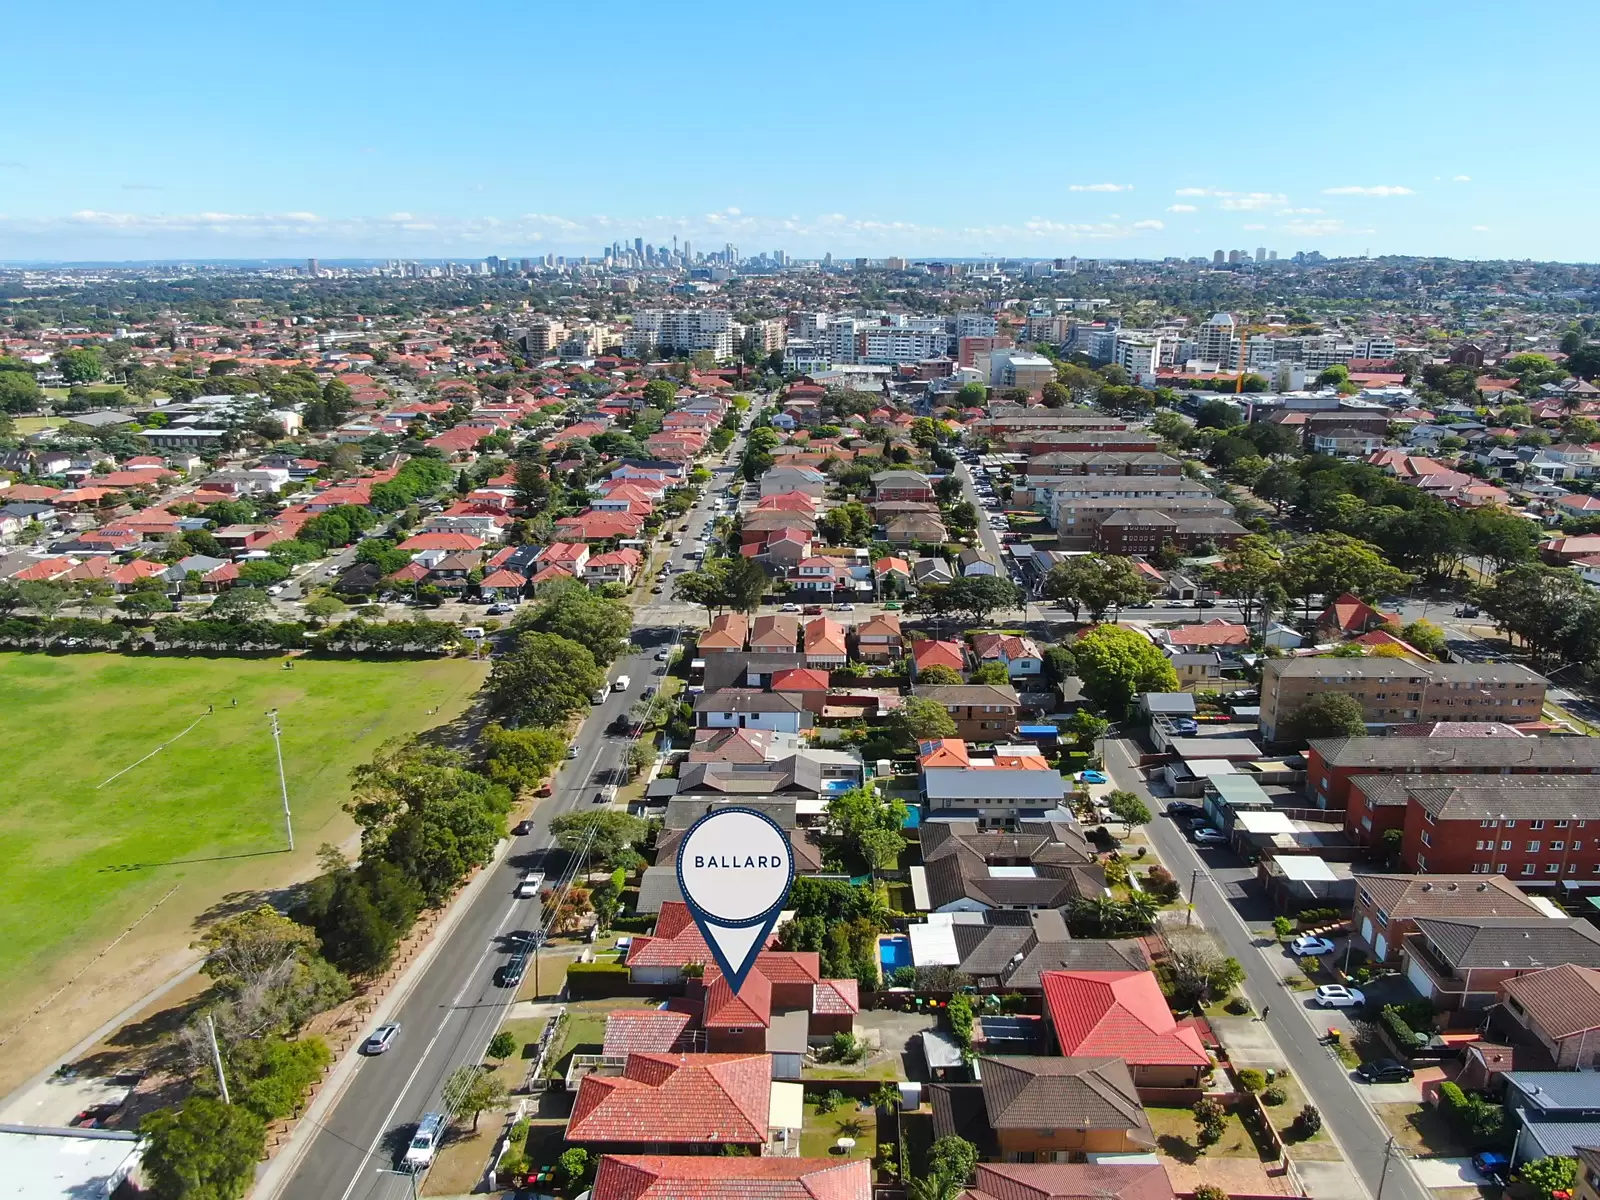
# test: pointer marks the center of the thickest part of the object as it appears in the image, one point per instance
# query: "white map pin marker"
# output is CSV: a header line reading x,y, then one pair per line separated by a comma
x,y
735,866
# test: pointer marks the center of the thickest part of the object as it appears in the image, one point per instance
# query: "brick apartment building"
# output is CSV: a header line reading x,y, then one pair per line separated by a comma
x,y
1393,691
1365,776
1145,532
1078,518
1544,829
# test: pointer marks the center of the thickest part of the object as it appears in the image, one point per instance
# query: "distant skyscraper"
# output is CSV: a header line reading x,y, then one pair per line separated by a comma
x,y
1234,256
1217,258
1261,254
638,247
1272,256
827,259
688,255
311,267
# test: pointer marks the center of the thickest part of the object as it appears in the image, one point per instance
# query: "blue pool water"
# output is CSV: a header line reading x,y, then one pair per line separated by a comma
x,y
894,952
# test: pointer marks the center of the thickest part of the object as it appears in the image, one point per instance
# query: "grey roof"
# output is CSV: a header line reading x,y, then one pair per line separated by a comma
x,y
1035,842
103,419
1560,1137
746,700
800,772
1512,942
1555,1091
1181,703
969,693
1037,1092
1474,797
728,668
965,876
1572,753
1394,668
684,811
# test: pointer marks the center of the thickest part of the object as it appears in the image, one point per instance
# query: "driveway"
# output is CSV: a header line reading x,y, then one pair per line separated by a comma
x,y
897,1032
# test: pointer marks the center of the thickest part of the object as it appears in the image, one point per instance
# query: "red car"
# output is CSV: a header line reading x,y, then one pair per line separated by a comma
x,y
812,610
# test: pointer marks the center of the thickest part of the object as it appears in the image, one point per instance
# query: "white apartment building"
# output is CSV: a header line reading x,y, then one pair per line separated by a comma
x,y
1139,354
1218,341
1019,368
886,340
976,324
683,331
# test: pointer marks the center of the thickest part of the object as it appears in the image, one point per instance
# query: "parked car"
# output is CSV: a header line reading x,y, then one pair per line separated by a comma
x,y
1182,810
1308,946
812,610
1091,776
1491,1164
1208,837
1336,995
790,608
572,752
1185,726
844,608
1384,1070
599,798
663,655
382,1038
891,606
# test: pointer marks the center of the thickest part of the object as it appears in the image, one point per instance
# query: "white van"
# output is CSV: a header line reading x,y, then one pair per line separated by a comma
x,y
621,685
530,884
424,1143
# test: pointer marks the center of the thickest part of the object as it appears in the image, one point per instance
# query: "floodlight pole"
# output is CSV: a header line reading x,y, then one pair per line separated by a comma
x,y
283,786
216,1058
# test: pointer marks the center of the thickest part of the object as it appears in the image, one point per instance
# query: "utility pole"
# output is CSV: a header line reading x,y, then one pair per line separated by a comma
x,y
216,1058
283,786
1194,878
411,1175
1383,1177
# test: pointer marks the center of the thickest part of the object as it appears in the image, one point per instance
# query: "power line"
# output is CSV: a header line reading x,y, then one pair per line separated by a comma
x,y
283,785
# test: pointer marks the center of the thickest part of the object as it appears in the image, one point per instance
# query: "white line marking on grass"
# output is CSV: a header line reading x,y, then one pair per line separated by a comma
x,y
146,758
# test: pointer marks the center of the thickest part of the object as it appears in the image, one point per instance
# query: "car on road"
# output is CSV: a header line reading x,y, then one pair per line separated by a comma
x,y
663,655
381,1039
844,608
1182,810
891,606
500,610
1310,947
510,973
812,610
572,752
1384,1070
790,608
522,828
1336,995
424,1142
276,589
599,798
529,884
1206,836
657,590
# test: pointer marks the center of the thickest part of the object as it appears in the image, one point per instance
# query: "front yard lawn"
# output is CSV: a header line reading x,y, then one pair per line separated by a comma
x,y
1421,1130
1177,1136
822,1131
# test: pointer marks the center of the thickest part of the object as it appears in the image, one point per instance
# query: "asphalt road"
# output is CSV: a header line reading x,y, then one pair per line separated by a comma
x,y
456,1006
1225,900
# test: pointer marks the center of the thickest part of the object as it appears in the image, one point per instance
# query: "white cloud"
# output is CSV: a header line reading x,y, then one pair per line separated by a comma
x,y
1237,201
1461,179
1290,212
1324,227
1382,189
1480,229
1182,208
1100,187
1152,224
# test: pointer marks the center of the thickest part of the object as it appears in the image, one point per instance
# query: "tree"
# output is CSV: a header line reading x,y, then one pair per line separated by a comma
x,y
271,1076
744,583
520,758
1210,1120
1115,664
1248,569
241,604
989,672
1200,970
1218,414
420,808
703,587
1130,809
869,826
660,393
572,611
502,1045
324,608
938,674
544,680
1425,636
81,364
44,598
918,720
1331,564
206,1150
19,392
1098,582
847,524
1329,715
978,596
952,1159
1550,1175
607,837
471,1090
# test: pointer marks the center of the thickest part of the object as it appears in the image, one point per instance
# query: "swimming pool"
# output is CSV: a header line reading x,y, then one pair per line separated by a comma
x,y
894,952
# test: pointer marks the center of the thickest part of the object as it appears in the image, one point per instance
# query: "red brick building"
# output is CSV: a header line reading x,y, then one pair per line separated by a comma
x,y
1545,829
1334,765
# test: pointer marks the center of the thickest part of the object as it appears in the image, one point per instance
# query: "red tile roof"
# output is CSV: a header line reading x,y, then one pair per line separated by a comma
x,y
750,1005
713,1177
440,541
647,1031
694,1099
1118,1013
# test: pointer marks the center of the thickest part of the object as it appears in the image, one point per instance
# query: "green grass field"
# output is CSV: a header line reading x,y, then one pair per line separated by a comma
x,y
82,858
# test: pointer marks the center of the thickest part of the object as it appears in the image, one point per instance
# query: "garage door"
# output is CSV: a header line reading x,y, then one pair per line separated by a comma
x,y
1419,979
1380,948
1366,930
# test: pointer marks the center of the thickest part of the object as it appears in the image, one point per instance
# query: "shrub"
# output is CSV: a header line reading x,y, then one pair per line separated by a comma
x,y
1162,884
1252,1080
1308,1122
1211,1119
503,1044
1116,872
1274,1095
1238,1006
1282,926
1209,1191
903,976
513,1163
1405,1037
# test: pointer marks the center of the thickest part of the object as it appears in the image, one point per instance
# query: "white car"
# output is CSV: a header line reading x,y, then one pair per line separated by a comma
x,y
1336,995
844,608
1308,946
790,608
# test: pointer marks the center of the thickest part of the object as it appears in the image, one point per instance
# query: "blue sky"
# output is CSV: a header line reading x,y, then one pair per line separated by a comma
x,y
1146,127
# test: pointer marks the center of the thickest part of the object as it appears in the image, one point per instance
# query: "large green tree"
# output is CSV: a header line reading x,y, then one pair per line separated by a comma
x,y
919,719
573,611
544,680
205,1150
1097,582
1116,664
870,826
607,838
1329,715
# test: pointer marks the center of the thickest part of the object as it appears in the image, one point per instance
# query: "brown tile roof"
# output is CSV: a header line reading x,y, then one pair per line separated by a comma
x,y
1036,1092
1411,896
1069,1181
1561,1001
714,1177
693,1099
647,1031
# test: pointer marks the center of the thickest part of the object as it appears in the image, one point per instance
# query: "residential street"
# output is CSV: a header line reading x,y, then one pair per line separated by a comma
x,y
1229,909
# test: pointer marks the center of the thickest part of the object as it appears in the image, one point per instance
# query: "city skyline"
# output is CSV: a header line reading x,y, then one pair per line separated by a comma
x,y
355,142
